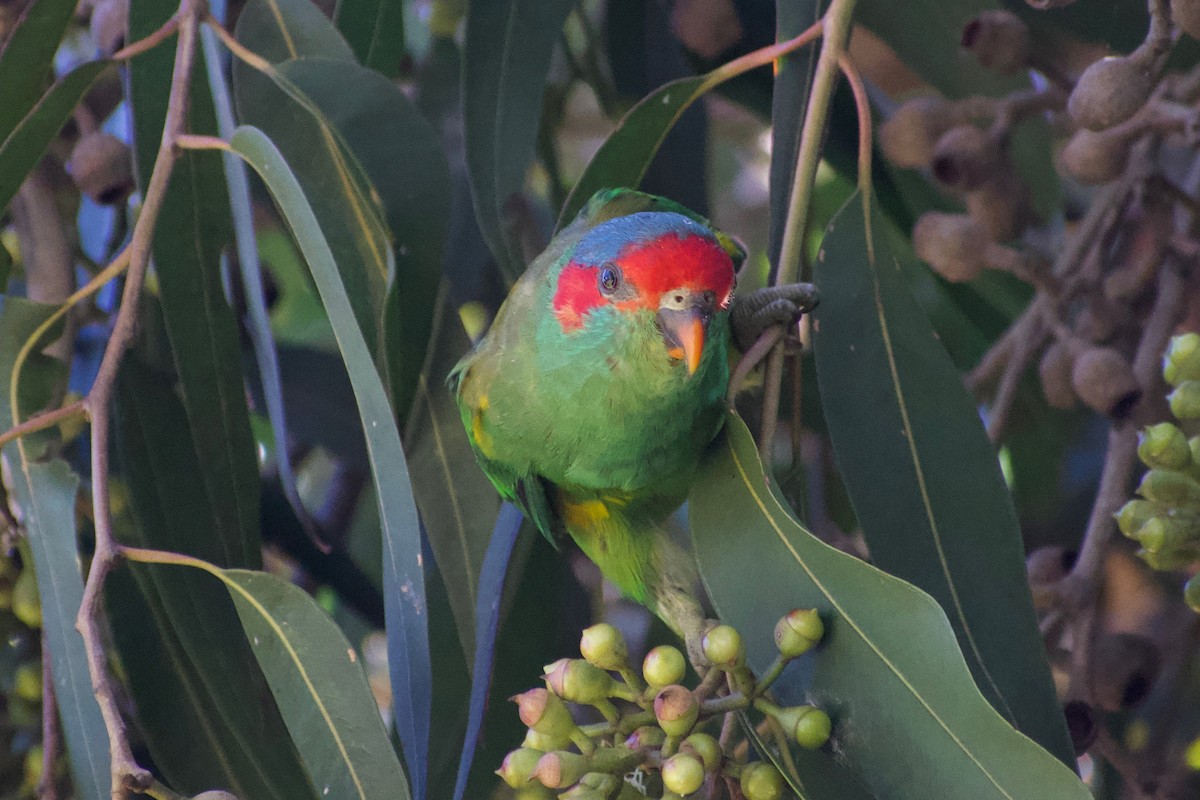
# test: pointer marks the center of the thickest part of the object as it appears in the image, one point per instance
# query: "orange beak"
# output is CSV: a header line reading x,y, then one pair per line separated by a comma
x,y
684,330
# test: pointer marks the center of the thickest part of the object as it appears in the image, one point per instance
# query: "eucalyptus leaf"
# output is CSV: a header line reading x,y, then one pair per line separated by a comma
x,y
375,31
27,58
908,720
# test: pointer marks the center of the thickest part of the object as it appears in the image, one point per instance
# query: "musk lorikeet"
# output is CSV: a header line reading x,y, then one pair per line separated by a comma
x,y
603,378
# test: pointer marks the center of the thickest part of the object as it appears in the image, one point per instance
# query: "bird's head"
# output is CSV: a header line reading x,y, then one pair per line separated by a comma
x,y
649,263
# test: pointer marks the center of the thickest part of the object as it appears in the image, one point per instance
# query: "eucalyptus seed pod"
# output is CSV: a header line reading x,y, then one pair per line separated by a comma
x,y
1105,382
1145,244
1123,670
965,158
1094,157
109,25
723,647
664,665
1048,565
676,710
908,137
798,631
1164,446
100,166
1185,400
999,40
683,774
1054,371
1181,362
1169,486
1003,206
761,781
604,646
1111,90
951,244
517,768
1186,16
1097,322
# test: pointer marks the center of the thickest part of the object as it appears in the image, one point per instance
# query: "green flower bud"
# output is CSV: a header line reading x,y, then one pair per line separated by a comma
x,y
545,743
703,747
534,791
723,647
1182,360
517,768
583,792
1168,486
603,646
683,774
27,682
1167,533
1194,447
1164,446
560,769
578,681
26,604
1136,513
646,736
810,727
1185,400
676,710
761,781
663,666
1191,593
544,712
1167,560
797,631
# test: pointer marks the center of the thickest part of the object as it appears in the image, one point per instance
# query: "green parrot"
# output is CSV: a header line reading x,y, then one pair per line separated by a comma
x,y
602,380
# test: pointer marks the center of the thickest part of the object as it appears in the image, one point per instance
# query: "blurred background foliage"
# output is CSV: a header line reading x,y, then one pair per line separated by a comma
x,y
433,146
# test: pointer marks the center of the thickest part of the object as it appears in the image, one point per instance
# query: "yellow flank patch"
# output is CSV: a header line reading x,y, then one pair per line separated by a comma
x,y
584,514
483,439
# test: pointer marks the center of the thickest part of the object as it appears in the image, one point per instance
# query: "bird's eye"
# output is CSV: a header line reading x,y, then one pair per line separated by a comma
x,y
610,279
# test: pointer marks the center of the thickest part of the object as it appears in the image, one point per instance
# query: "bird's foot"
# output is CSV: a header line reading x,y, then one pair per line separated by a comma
x,y
693,640
759,310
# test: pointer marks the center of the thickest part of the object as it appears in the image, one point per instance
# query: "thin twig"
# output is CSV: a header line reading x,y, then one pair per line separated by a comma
x,y
144,44
51,740
1026,346
126,772
39,422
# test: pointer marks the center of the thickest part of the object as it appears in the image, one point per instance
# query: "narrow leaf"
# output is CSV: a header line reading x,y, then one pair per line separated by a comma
x,y
922,476
28,56
487,616
506,59
25,143
404,582
280,30
908,720
375,31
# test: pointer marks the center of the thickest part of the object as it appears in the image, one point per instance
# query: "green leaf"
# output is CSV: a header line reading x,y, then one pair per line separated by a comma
x,y
279,30
375,31
27,58
213,729
25,143
921,473
403,159
908,720
627,152
404,582
458,503
46,495
506,58
192,229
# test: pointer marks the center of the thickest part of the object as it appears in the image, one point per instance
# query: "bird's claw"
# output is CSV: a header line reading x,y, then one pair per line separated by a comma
x,y
763,308
694,644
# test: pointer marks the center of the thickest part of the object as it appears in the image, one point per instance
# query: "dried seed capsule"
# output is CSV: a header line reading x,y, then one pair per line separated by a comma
x,y
663,666
109,25
761,781
1103,379
723,648
1003,206
1054,370
1186,15
999,40
1047,565
604,646
798,631
1111,90
517,768
1094,157
101,167
1124,668
1182,359
676,710
965,158
683,774
1185,400
907,138
951,244
1164,446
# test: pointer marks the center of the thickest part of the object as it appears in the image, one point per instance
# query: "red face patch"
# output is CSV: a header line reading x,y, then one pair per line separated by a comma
x,y
651,269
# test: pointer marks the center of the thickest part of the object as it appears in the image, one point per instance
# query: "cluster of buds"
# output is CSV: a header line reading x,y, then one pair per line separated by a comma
x,y
1165,521
658,738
